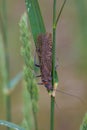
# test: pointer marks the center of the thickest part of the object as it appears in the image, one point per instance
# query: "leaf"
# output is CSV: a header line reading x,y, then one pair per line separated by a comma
x,y
10,125
13,83
35,18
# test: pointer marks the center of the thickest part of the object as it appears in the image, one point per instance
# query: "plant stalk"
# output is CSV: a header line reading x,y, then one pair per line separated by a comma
x,y
60,13
5,39
52,113
53,66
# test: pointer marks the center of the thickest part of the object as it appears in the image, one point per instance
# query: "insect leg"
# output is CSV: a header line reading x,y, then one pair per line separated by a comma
x,y
40,84
37,65
38,76
35,61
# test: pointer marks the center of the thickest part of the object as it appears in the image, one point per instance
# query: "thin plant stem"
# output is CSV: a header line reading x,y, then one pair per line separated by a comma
x,y
5,38
55,21
52,113
8,108
53,66
60,13
54,42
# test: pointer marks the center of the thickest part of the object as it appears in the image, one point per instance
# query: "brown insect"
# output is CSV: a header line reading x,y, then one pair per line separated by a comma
x,y
44,52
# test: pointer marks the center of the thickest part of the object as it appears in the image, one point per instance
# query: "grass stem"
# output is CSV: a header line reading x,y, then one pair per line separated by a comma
x,y
52,113
60,13
55,21
53,66
5,39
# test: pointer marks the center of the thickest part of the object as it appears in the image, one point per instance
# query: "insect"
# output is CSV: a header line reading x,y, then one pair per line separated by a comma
x,y
44,52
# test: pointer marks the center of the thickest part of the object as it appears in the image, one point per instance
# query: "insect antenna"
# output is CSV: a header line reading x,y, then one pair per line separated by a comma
x,y
57,106
70,94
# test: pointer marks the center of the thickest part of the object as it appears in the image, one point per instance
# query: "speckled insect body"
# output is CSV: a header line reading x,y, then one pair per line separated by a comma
x,y
44,52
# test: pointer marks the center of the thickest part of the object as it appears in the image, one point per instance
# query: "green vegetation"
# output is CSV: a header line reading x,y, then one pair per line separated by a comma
x,y
31,25
84,123
31,99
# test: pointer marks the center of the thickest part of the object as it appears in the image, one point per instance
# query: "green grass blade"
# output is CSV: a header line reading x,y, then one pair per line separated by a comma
x,y
40,19
60,12
10,125
13,83
2,78
35,18
7,63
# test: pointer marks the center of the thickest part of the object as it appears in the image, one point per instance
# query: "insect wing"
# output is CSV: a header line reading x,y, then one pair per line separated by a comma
x,y
44,51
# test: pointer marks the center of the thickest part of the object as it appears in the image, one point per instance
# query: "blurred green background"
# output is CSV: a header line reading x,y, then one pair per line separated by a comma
x,y
71,53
